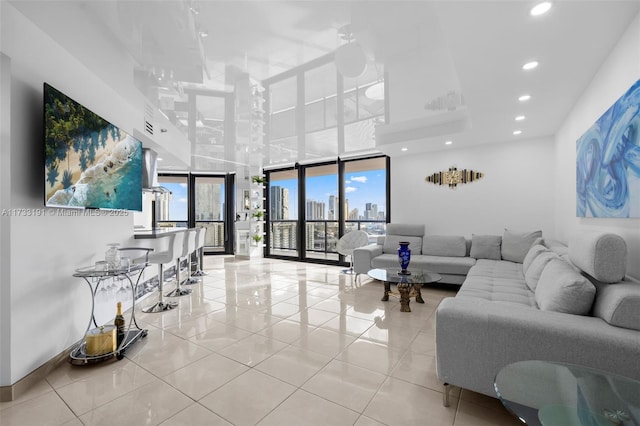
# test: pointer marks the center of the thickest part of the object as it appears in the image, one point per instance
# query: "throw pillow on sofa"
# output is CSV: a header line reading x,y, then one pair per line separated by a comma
x,y
516,245
533,252
485,246
562,289
534,271
444,245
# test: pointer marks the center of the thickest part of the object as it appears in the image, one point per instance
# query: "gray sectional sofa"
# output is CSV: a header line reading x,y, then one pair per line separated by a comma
x,y
522,298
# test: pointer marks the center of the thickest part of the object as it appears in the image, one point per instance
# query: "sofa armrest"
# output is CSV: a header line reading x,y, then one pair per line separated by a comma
x,y
362,257
475,340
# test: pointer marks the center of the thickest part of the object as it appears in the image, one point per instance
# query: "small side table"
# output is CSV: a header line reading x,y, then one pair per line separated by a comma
x,y
94,278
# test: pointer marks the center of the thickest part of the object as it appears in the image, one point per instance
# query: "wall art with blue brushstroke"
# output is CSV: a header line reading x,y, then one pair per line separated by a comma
x,y
608,162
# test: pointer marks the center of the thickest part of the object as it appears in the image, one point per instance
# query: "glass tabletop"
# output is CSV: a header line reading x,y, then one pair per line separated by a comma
x,y
550,394
93,272
393,275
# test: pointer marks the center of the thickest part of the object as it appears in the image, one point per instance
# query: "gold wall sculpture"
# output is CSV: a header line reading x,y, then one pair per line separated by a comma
x,y
453,177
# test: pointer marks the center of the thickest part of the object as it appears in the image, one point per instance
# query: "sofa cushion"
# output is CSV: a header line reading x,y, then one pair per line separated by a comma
x,y
618,304
485,246
516,244
497,281
392,243
405,229
443,264
601,255
444,245
562,289
534,271
533,252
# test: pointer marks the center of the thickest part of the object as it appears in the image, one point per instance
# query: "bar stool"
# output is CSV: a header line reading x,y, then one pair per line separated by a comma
x,y
193,248
200,240
179,253
161,258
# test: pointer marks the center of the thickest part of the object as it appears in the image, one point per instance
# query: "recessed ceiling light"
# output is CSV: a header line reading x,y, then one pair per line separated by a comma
x,y
448,142
520,118
405,149
524,98
517,132
540,8
159,158
530,65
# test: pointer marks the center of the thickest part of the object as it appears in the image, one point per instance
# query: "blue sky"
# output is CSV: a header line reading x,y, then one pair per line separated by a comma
x,y
178,203
360,188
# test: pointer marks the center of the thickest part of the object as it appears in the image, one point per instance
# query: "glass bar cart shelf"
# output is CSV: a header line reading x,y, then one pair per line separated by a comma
x,y
95,277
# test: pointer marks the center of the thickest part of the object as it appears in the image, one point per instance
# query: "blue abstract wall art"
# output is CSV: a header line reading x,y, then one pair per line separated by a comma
x,y
608,162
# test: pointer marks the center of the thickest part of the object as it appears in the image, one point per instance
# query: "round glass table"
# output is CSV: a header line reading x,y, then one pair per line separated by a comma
x,y
408,284
557,394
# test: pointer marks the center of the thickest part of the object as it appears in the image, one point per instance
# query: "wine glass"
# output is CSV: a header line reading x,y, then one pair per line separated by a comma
x,y
123,294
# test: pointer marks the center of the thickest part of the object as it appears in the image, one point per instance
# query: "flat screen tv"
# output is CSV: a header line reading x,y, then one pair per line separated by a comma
x,y
89,162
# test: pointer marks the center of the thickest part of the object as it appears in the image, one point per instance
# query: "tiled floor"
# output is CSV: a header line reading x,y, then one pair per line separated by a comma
x,y
266,342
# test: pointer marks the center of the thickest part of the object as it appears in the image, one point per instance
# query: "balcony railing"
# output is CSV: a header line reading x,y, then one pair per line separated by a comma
x,y
321,236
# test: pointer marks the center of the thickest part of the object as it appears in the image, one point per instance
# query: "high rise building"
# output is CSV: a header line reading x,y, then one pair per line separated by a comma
x,y
332,214
275,202
315,210
285,203
208,204
279,203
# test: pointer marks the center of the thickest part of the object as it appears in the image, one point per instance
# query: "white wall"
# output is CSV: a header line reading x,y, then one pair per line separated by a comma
x,y
5,224
516,191
49,309
616,75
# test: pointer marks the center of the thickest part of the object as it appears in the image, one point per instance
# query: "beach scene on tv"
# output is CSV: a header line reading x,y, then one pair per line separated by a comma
x,y
89,162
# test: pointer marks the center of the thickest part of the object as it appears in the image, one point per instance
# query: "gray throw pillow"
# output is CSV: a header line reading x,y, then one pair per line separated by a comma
x,y
516,244
534,271
485,246
533,252
444,245
562,289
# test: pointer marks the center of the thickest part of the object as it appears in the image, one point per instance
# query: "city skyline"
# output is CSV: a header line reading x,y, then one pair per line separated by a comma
x,y
361,188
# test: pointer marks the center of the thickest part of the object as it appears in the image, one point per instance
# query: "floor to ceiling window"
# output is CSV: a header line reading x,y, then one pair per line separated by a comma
x,y
197,200
209,209
282,213
321,214
366,197
311,206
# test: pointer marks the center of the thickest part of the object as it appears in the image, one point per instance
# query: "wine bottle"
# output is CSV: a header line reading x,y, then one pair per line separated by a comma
x,y
120,324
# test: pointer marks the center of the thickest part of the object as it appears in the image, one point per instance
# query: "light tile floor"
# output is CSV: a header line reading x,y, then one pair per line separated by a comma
x,y
267,342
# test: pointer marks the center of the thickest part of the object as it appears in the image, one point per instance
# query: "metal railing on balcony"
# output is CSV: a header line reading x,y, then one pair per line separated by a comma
x,y
321,236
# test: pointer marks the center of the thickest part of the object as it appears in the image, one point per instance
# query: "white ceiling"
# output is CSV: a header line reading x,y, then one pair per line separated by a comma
x,y
428,48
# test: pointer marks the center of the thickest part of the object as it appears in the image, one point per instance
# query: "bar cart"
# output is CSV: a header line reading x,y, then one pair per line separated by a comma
x,y
95,276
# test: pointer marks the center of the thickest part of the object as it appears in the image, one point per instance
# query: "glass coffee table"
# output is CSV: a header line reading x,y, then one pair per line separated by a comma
x,y
557,394
408,284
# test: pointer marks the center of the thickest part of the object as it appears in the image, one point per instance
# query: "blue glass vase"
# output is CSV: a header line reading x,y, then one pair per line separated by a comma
x,y
404,257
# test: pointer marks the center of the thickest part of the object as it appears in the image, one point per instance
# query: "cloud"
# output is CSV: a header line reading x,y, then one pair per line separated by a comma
x,y
182,200
350,189
347,181
361,179
184,185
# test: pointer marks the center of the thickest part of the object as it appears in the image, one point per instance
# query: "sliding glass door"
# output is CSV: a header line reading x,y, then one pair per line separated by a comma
x,y
282,200
321,212
209,208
